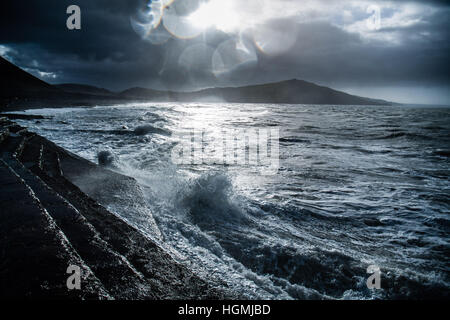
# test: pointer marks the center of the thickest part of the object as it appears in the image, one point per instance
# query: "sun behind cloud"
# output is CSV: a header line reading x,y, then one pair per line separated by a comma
x,y
216,13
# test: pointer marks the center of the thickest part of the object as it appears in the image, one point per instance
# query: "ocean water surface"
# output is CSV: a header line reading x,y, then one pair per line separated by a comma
x,y
357,186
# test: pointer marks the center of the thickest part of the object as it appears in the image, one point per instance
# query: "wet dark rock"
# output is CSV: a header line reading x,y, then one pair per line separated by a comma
x,y
147,129
371,222
105,158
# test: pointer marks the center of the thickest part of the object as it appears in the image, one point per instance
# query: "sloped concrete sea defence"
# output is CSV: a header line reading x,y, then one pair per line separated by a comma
x,y
51,218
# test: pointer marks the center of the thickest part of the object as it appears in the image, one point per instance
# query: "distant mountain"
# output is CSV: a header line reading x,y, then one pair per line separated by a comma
x,y
15,82
145,94
84,89
18,87
289,92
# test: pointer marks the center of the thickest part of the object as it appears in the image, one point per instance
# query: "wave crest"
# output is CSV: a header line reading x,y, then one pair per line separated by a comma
x,y
209,201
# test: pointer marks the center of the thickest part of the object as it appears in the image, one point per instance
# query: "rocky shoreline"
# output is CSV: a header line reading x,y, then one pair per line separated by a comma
x,y
51,218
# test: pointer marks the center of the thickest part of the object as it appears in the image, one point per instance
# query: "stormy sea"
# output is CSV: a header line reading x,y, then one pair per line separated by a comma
x,y
357,186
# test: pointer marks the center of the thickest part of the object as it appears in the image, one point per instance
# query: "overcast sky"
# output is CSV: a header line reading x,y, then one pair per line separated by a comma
x,y
191,44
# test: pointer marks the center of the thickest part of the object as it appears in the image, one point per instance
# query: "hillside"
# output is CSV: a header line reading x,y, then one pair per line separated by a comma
x,y
290,92
24,89
84,89
15,82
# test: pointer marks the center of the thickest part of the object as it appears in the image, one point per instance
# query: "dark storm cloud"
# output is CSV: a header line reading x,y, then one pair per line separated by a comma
x,y
327,53
105,29
108,53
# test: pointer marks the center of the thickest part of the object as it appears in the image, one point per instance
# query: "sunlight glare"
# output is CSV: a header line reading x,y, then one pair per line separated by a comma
x,y
216,13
